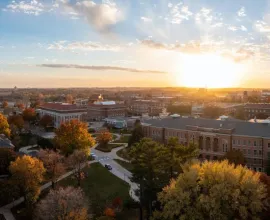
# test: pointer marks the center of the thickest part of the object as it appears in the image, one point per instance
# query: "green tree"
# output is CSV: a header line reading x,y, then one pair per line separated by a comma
x,y
235,156
212,111
179,154
137,134
6,157
239,113
213,190
73,135
4,126
149,160
179,109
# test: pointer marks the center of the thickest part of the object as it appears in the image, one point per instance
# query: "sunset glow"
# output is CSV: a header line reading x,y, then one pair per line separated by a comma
x,y
209,70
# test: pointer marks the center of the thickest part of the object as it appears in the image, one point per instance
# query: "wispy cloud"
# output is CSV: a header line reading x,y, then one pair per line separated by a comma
x,y
262,26
178,13
242,12
146,19
33,7
102,68
82,46
101,16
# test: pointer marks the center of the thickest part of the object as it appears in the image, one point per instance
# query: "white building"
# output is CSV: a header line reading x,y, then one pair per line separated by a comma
x,y
62,112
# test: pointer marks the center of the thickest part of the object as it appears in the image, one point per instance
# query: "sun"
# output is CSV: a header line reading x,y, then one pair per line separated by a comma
x,y
208,70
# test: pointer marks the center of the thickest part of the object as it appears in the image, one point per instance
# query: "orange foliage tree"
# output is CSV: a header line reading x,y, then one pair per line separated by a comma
x,y
29,114
54,164
16,120
27,173
104,138
109,212
21,106
63,204
4,126
46,121
73,135
4,104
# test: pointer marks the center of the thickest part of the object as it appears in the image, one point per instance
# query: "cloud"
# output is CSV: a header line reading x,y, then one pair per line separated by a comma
x,y
262,26
239,55
243,28
145,19
204,15
232,28
33,7
178,14
242,12
102,68
101,16
82,46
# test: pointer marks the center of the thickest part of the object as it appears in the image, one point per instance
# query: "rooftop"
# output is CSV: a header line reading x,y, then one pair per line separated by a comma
x,y
5,142
258,105
238,127
61,107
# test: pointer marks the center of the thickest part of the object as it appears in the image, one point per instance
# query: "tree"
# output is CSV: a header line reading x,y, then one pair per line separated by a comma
x,y
54,164
235,157
69,99
77,160
27,174
4,126
73,135
29,114
46,121
180,109
4,104
149,160
6,156
109,212
213,190
212,111
266,181
137,134
239,113
104,138
179,154
17,121
63,204
21,106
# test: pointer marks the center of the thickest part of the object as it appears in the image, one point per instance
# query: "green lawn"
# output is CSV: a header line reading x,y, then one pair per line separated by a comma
x,y
101,187
124,164
123,153
108,148
123,139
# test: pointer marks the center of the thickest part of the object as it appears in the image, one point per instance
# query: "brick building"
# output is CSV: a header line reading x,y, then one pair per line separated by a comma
x,y
255,109
216,137
62,112
106,109
150,107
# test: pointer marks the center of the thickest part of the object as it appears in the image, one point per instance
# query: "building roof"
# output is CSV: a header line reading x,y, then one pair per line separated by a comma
x,y
258,105
237,127
62,107
107,106
5,142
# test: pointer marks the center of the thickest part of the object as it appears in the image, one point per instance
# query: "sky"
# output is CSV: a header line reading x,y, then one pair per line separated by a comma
x,y
159,43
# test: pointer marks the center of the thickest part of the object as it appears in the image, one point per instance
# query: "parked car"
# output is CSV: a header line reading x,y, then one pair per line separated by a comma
x,y
108,166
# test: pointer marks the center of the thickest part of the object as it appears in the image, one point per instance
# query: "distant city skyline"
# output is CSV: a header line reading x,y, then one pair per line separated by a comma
x,y
109,43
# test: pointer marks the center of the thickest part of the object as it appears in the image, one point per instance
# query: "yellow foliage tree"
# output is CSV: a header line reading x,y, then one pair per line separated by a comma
x,y
213,190
73,135
4,126
27,173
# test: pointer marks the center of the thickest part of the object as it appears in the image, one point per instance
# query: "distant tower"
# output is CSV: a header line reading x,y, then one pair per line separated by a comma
x,y
245,96
100,98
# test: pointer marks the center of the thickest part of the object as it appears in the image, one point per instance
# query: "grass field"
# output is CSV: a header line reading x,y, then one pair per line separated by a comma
x,y
108,148
123,139
123,153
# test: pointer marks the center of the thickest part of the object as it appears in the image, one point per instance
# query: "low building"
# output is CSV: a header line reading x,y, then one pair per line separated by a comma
x,y
256,109
62,112
5,142
216,137
100,110
150,107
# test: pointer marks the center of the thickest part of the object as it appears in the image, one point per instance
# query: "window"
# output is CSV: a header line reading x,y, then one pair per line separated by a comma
x,y
249,143
238,142
268,145
260,169
233,141
255,143
260,152
255,152
248,151
244,142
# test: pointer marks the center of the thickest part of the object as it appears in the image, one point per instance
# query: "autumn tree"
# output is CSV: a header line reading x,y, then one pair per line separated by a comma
x,y
213,190
21,106
149,160
109,212
54,164
46,121
179,154
29,114
266,181
6,157
77,161
27,174
73,135
4,126
235,156
63,204
4,104
137,134
104,138
69,99
17,121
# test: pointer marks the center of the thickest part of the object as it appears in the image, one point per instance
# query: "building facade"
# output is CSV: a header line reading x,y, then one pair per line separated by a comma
x,y
256,109
150,107
106,109
215,137
62,112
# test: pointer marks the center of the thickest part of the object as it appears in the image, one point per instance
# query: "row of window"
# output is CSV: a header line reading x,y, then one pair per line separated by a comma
x,y
247,142
249,152
252,110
